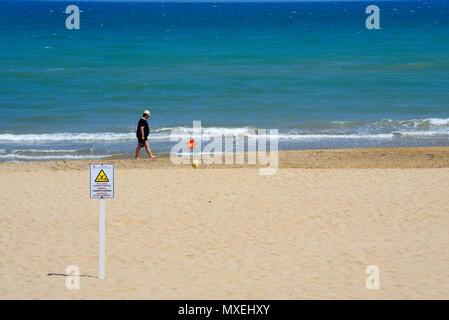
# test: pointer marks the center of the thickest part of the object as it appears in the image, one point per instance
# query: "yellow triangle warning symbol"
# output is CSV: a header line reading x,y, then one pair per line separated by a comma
x,y
102,177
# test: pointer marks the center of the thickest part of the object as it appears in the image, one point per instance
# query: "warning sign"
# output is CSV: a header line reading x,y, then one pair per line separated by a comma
x,y
102,177
102,181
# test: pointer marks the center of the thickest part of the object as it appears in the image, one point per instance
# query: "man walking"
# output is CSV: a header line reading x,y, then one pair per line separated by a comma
x,y
142,135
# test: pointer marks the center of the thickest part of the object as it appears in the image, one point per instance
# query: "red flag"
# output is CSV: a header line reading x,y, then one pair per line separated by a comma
x,y
191,144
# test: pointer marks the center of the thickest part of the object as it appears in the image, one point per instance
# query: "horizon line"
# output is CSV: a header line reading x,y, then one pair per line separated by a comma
x,y
222,1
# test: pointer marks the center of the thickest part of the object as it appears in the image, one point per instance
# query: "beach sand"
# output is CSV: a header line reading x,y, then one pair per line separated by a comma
x,y
226,232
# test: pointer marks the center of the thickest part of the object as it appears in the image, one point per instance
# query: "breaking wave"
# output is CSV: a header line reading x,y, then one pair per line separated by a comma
x,y
383,129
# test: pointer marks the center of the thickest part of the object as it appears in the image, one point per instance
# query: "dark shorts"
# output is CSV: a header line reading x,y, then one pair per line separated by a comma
x,y
142,142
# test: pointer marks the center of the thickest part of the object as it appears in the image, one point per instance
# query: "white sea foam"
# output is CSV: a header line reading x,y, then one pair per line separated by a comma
x,y
53,157
411,123
334,136
206,135
438,121
383,129
422,134
44,151
103,136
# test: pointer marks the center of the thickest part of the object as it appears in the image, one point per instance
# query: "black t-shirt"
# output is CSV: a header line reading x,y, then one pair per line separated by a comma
x,y
146,129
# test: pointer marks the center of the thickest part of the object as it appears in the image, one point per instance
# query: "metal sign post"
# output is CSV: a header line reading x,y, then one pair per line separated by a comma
x,y
101,187
101,237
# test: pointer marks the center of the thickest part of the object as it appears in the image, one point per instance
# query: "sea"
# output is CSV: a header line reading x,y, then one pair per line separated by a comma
x,y
311,70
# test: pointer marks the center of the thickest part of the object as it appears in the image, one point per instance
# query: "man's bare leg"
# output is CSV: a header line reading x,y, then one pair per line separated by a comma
x,y
148,150
138,151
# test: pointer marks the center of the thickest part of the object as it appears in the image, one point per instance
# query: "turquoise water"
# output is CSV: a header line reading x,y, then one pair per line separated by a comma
x,y
311,70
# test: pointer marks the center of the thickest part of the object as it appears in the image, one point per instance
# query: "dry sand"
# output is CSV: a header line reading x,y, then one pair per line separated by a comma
x,y
181,233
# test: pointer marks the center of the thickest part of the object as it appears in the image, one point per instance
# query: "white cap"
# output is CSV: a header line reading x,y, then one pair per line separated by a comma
x,y
147,112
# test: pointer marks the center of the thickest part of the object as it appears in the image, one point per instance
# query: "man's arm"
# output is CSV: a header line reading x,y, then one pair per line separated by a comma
x,y
142,133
